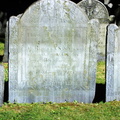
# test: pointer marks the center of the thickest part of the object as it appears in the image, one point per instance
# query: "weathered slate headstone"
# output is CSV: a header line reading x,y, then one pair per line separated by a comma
x,y
52,54
113,64
1,84
97,10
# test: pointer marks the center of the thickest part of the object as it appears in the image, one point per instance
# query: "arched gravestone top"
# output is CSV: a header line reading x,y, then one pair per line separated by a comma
x,y
55,11
52,54
95,10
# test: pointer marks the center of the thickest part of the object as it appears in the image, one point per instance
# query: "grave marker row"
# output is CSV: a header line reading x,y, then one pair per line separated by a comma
x,y
53,53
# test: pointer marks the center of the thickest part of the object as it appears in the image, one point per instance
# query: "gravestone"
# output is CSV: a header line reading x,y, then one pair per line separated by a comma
x,y
6,50
106,2
102,42
1,84
113,64
6,46
97,10
52,54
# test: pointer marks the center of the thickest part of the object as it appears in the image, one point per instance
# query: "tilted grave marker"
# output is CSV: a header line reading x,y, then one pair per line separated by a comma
x,y
113,64
97,10
1,84
52,54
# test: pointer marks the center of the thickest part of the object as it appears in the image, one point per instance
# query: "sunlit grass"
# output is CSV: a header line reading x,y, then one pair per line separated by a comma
x,y
6,71
100,76
61,111
1,49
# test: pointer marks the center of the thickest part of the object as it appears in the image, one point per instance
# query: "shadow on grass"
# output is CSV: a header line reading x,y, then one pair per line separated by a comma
x,y
6,91
100,93
1,58
2,40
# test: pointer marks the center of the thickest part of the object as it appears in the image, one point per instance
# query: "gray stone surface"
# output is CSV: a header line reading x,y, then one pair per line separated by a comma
x,y
6,46
113,64
106,1
102,42
52,54
1,84
6,50
97,10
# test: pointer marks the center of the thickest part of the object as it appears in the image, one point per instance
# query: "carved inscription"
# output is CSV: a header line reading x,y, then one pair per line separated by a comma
x,y
102,40
50,57
95,10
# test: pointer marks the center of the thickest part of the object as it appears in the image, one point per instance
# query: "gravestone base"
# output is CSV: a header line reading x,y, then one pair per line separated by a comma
x,y
52,96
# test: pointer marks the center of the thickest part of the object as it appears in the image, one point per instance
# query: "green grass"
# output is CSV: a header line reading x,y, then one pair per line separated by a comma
x,y
1,49
61,111
6,71
100,76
